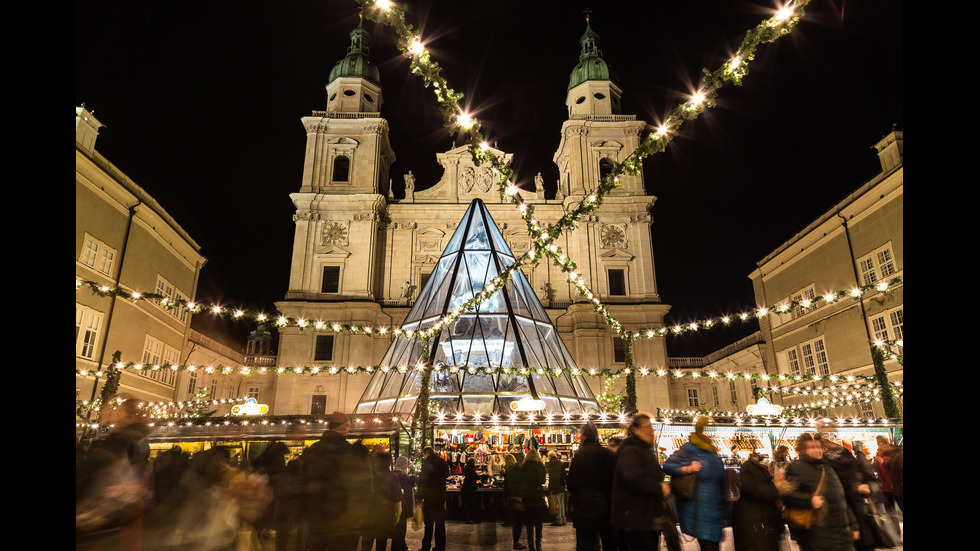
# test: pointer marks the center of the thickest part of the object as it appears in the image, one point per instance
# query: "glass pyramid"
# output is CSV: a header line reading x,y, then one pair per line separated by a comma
x,y
482,356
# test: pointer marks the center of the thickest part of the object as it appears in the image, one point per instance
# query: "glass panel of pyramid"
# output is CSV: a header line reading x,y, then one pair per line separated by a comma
x,y
480,357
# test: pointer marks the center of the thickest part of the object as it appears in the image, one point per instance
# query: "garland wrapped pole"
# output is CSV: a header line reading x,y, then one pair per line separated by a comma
x,y
630,405
420,419
887,392
111,385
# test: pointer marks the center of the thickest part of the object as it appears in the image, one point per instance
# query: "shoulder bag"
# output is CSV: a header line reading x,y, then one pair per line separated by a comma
x,y
682,486
805,519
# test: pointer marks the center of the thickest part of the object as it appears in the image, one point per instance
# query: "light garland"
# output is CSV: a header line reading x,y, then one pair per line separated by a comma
x,y
781,308
543,239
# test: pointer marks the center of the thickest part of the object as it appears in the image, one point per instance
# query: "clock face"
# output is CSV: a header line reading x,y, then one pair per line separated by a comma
x,y
613,236
335,232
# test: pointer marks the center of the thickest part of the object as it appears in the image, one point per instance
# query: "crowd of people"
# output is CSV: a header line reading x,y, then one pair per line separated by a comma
x,y
340,495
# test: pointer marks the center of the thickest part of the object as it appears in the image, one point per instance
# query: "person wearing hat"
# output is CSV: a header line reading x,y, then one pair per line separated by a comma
x,y
333,515
703,515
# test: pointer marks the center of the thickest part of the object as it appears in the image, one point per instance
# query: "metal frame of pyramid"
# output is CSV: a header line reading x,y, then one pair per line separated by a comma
x,y
481,357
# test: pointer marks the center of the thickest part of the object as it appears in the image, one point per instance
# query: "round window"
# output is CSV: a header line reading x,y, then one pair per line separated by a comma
x,y
369,97
333,96
580,100
349,93
599,96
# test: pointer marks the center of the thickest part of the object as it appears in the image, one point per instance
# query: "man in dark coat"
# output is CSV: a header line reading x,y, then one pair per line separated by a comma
x,y
589,484
638,486
432,493
333,514
756,522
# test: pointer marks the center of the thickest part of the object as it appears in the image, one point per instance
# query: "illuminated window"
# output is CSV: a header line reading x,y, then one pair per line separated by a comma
x,y
878,265
96,255
808,358
692,398
87,325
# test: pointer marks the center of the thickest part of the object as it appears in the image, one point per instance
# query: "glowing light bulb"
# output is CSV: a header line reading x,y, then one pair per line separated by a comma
x,y
416,47
465,120
698,98
383,5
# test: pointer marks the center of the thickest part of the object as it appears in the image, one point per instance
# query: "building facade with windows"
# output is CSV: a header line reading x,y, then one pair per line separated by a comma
x,y
361,256
729,390
123,237
857,243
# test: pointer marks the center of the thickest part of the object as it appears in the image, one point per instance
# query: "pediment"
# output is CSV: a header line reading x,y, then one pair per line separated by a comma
x,y
617,255
332,252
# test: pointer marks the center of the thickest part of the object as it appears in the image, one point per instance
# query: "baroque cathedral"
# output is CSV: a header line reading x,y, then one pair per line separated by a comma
x,y
362,257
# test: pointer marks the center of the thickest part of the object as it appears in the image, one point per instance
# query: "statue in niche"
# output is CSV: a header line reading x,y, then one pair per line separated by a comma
x,y
538,183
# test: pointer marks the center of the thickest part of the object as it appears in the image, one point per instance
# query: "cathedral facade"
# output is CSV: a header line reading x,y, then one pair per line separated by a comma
x,y
361,257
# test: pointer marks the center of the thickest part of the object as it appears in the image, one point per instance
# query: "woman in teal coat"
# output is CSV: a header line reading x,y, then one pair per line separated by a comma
x,y
703,515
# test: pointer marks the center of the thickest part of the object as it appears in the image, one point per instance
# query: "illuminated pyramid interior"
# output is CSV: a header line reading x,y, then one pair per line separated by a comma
x,y
481,357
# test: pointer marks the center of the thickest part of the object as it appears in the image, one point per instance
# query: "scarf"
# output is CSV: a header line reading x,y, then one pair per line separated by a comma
x,y
702,441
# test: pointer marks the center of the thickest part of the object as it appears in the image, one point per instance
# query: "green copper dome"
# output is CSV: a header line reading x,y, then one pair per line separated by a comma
x,y
357,63
591,66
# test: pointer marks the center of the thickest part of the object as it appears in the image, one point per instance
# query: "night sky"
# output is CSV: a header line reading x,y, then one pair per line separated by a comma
x,y
202,104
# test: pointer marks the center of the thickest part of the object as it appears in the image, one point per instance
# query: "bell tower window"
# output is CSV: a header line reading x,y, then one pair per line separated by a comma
x,y
341,168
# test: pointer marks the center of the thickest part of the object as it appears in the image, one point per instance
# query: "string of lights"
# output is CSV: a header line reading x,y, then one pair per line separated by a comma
x,y
543,238
780,309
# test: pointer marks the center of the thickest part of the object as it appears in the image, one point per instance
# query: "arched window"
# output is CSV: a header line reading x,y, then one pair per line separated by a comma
x,y
341,168
605,167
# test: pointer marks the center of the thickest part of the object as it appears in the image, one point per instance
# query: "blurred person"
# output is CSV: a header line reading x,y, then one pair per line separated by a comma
x,y
780,460
756,521
556,488
111,484
701,516
407,484
497,465
589,485
857,488
287,509
201,512
165,472
835,530
271,463
334,514
533,497
639,490
468,490
432,494
613,444
882,458
387,501
896,476
513,489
